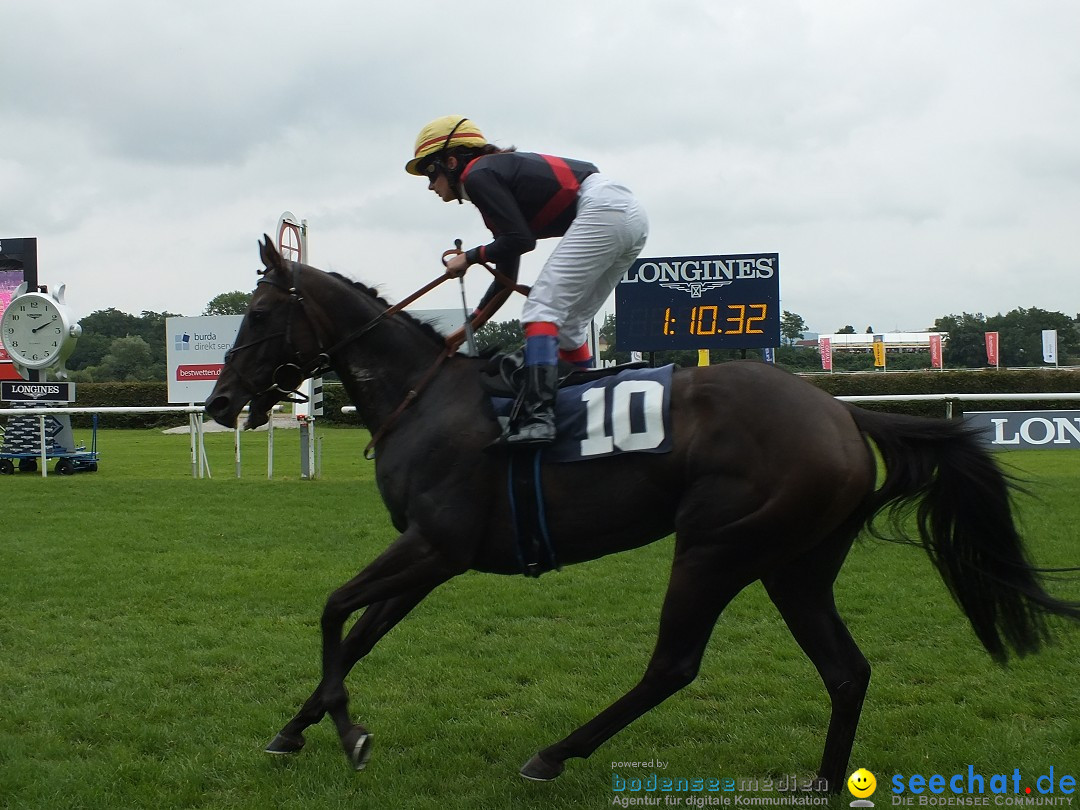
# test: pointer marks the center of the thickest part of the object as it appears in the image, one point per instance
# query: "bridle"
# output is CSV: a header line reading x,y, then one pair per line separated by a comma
x,y
288,376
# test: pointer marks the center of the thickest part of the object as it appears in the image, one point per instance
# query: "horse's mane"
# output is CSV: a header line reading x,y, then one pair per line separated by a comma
x,y
424,327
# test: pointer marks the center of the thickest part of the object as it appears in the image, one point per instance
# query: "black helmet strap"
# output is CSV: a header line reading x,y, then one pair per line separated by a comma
x,y
440,165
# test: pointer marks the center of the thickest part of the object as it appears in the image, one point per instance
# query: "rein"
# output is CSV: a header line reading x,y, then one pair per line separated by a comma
x,y
410,398
298,371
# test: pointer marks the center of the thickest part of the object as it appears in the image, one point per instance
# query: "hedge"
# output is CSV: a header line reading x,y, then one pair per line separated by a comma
x,y
89,395
989,381
156,394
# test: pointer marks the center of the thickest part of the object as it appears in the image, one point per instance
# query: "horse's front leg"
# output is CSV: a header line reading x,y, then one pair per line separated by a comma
x,y
376,622
409,569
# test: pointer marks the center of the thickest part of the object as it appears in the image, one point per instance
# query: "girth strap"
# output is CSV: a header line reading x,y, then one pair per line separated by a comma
x,y
535,551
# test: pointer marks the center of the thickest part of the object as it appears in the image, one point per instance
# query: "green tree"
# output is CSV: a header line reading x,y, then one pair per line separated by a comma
x,y
129,359
507,336
792,327
607,336
847,330
1021,335
966,347
798,358
1019,331
101,328
230,303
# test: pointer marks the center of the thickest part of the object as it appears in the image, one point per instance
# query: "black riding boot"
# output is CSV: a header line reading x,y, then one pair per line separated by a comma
x,y
535,423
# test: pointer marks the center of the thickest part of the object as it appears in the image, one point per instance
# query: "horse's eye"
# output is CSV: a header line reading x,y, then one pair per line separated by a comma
x,y
256,317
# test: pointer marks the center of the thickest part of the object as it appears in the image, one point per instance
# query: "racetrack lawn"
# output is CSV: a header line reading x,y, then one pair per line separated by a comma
x,y
157,630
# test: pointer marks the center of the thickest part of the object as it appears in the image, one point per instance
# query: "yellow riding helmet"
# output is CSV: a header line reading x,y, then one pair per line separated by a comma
x,y
444,133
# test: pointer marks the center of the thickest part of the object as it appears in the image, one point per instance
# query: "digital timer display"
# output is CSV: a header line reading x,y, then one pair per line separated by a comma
x,y
699,302
709,320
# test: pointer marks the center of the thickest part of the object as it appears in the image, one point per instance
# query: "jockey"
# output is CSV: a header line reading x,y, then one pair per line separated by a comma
x,y
522,197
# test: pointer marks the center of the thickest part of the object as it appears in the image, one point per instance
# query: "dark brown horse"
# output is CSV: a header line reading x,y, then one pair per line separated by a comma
x,y
767,478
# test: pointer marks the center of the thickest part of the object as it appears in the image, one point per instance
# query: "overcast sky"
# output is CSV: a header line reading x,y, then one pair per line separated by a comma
x,y
907,160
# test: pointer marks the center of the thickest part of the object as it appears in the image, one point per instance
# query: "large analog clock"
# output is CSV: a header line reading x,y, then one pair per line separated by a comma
x,y
38,331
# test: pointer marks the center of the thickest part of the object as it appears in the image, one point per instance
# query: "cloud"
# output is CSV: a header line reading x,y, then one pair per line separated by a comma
x,y
907,160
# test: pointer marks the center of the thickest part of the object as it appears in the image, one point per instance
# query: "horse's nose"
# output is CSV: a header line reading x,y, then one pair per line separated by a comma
x,y
218,409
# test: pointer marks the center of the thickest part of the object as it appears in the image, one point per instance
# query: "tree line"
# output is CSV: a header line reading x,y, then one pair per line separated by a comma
x,y
118,347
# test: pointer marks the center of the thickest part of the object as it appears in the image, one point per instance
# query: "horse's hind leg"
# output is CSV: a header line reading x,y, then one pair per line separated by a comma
x,y
376,622
699,589
803,592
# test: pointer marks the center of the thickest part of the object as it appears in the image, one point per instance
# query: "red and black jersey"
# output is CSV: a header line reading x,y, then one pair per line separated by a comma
x,y
522,197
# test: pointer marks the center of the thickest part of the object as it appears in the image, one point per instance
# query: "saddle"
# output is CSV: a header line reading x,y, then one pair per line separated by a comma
x,y
502,375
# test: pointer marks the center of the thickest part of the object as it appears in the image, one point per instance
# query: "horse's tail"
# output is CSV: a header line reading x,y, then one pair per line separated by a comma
x,y
961,500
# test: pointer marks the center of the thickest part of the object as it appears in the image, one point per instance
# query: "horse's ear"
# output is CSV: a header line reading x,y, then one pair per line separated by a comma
x,y
271,259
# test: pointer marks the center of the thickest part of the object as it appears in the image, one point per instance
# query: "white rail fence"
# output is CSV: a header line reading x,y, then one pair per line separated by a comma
x,y
949,399
200,467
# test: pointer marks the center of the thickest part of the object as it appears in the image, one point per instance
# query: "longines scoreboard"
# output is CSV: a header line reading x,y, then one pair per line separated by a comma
x,y
699,302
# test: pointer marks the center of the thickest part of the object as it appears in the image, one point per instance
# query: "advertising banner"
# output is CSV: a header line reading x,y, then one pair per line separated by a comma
x,y
36,392
1019,430
18,263
825,345
195,354
1050,347
936,360
992,349
879,351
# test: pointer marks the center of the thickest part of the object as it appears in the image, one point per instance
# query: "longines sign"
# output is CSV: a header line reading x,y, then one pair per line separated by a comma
x,y
699,302
1018,430
20,391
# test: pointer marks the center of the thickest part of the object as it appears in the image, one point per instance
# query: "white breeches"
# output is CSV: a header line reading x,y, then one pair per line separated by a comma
x,y
604,239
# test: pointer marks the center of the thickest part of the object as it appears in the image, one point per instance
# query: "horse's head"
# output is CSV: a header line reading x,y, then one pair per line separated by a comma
x,y
276,348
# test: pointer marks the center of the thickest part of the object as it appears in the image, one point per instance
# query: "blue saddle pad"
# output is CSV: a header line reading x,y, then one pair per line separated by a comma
x,y
625,413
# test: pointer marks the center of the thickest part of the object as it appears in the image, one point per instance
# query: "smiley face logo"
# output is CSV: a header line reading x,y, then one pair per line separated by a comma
x,y
862,783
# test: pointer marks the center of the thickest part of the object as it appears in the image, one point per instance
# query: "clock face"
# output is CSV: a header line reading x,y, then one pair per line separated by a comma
x,y
33,330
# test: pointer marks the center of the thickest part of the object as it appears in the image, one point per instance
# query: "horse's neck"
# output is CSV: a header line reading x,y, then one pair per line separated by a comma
x,y
379,368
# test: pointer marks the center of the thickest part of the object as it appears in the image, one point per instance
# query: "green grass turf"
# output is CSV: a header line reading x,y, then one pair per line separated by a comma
x,y
156,630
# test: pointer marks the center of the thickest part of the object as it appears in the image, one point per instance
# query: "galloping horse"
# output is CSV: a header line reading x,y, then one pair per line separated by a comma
x,y
767,478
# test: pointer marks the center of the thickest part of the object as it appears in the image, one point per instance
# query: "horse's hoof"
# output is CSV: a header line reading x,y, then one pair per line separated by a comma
x,y
357,745
284,744
539,769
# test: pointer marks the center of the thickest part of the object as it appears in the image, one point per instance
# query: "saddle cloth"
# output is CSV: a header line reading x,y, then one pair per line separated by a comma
x,y
627,412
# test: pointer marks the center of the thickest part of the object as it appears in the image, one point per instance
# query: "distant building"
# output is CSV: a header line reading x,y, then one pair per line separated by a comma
x,y
894,341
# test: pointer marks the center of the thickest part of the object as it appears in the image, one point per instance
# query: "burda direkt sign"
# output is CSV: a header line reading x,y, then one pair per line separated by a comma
x,y
1016,430
195,354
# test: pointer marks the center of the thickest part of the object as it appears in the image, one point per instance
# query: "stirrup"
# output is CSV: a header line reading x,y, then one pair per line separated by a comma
x,y
534,432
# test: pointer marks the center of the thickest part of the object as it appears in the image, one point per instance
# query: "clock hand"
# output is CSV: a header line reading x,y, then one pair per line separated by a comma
x,y
37,329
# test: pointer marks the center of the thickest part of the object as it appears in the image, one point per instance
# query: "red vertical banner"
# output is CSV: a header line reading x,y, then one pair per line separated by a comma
x,y
825,347
992,349
935,352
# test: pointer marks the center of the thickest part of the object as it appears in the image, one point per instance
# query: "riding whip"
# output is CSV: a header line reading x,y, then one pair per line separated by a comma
x,y
470,337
